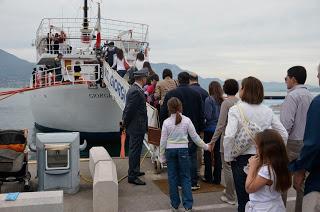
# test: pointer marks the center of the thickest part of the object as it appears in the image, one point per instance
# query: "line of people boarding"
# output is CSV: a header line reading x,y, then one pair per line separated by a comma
x,y
250,143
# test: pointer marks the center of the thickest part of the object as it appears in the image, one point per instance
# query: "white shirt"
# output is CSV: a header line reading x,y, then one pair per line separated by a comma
x,y
261,115
266,193
176,136
139,64
119,63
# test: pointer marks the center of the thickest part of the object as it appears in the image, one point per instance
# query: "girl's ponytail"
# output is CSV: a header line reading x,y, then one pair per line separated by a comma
x,y
178,118
175,107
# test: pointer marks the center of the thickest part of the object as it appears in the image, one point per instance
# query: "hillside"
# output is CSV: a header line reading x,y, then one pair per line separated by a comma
x,y
14,72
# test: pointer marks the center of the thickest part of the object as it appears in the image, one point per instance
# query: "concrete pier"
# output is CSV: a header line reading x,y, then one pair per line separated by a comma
x,y
140,198
48,201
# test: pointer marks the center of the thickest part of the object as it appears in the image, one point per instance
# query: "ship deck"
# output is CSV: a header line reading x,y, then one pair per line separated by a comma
x,y
136,198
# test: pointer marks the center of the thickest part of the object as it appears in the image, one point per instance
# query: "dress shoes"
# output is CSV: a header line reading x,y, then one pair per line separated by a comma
x,y
137,181
141,174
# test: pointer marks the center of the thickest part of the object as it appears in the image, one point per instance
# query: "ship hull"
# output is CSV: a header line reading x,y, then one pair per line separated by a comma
x,y
68,108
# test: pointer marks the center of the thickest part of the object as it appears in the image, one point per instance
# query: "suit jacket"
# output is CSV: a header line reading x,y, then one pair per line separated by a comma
x,y
204,94
192,105
134,117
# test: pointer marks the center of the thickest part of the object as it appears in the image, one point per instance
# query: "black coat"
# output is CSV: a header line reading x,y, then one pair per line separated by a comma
x,y
192,105
134,117
204,94
109,55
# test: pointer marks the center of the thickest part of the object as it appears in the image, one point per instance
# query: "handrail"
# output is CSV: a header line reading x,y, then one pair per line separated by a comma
x,y
71,27
118,88
96,74
48,77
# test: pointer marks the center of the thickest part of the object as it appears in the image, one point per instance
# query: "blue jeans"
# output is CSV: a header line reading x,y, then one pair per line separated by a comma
x,y
239,177
178,164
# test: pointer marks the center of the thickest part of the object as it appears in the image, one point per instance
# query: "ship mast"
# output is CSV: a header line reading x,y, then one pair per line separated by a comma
x,y
85,31
85,15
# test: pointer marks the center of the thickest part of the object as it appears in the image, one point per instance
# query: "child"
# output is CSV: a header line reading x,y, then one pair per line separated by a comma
x,y
268,174
174,145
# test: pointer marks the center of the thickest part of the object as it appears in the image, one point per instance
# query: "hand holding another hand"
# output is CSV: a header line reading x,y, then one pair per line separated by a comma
x,y
210,147
298,178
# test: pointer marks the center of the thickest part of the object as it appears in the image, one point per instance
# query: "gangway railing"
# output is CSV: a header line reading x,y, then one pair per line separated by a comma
x,y
119,87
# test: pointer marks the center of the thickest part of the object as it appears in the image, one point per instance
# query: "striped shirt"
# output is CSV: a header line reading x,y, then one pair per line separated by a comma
x,y
293,114
176,136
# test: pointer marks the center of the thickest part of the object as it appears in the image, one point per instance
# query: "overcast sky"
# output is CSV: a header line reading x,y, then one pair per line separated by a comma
x,y
215,38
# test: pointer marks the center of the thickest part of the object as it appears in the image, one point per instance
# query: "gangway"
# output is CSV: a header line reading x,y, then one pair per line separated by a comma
x,y
118,88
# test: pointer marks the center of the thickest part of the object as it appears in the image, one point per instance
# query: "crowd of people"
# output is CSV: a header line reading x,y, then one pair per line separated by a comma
x,y
261,156
56,43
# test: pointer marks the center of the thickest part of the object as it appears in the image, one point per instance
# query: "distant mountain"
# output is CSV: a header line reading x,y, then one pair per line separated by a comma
x,y
14,72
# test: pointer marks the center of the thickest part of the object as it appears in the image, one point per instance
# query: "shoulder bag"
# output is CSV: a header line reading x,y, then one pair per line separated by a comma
x,y
245,136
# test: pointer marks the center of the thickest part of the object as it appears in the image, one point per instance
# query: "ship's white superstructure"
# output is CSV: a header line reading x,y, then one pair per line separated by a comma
x,y
92,102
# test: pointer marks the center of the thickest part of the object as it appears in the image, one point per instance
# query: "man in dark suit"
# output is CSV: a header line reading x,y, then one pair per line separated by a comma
x,y
135,121
194,84
192,107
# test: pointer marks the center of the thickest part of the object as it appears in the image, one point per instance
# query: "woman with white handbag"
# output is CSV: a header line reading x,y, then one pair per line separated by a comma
x,y
245,119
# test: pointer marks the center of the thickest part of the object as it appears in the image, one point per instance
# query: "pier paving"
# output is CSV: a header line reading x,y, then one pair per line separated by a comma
x,y
134,198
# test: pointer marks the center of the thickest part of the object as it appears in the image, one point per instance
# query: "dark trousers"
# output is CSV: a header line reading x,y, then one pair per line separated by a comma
x,y
122,73
194,164
239,177
58,75
214,177
135,147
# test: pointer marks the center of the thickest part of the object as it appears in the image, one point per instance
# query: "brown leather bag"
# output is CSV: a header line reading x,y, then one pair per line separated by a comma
x,y
154,135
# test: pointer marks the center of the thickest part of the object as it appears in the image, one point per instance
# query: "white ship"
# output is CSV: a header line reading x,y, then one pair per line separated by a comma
x,y
87,105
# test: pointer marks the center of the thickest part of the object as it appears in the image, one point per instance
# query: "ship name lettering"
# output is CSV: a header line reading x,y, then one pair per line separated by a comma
x,y
118,87
99,95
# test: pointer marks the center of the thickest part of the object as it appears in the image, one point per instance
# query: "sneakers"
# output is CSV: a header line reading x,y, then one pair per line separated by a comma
x,y
177,210
174,209
225,199
195,187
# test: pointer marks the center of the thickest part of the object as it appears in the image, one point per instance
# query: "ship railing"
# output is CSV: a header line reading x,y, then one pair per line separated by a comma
x,y
118,88
88,73
73,32
45,78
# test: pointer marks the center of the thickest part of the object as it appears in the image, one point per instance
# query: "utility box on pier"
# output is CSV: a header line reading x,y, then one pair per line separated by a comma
x,y
58,161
